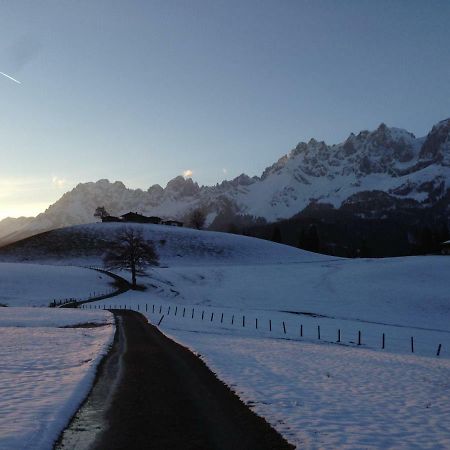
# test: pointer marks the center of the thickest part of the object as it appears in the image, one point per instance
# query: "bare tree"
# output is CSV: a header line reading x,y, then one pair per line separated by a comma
x,y
101,212
130,251
197,218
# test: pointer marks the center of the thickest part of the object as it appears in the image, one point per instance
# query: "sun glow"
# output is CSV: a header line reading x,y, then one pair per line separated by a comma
x,y
28,196
23,210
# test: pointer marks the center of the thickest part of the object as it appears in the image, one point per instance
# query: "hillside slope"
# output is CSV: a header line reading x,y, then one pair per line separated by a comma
x,y
85,245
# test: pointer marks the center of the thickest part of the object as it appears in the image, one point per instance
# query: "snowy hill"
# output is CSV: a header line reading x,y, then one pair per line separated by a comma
x,y
85,244
292,378
226,270
388,166
302,384
39,285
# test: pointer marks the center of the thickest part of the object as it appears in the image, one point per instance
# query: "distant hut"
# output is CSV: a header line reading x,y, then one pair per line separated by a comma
x,y
154,219
172,223
111,219
445,248
139,218
134,217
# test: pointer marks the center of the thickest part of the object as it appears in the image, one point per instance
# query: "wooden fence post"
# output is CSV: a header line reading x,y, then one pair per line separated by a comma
x,y
256,323
160,320
412,344
301,330
203,314
243,321
232,319
383,341
284,327
221,318
439,350
184,311
339,335
359,337
176,309
212,317
318,332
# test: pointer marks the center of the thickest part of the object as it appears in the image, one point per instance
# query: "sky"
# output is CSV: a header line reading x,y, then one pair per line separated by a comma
x,y
143,91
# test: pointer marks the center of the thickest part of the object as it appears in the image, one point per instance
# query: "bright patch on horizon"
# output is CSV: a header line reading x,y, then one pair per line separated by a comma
x,y
188,173
11,78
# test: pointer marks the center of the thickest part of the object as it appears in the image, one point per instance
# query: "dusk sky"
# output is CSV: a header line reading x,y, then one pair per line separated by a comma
x,y
141,91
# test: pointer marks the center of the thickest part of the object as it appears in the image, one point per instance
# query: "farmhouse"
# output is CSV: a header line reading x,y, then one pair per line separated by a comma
x,y
111,219
139,218
135,217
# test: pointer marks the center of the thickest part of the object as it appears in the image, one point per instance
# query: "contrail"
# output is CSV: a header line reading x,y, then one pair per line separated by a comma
x,y
11,78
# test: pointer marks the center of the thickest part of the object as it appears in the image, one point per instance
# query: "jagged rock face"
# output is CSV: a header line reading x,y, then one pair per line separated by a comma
x,y
372,171
436,147
180,187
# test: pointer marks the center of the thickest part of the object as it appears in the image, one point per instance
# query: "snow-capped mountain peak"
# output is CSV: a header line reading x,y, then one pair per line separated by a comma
x,y
387,160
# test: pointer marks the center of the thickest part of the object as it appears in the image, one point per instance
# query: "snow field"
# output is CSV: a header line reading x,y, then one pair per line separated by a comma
x,y
316,394
46,371
38,285
280,325
325,397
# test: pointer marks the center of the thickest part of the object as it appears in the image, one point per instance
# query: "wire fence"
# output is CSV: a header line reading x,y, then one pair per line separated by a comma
x,y
76,301
277,327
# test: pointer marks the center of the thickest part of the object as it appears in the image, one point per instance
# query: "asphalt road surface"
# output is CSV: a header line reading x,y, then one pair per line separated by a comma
x,y
167,398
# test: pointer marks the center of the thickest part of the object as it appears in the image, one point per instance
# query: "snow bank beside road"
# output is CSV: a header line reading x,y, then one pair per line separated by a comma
x,y
324,397
52,317
46,371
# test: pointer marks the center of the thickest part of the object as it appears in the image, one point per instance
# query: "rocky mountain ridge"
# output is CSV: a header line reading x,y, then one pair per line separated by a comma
x,y
370,171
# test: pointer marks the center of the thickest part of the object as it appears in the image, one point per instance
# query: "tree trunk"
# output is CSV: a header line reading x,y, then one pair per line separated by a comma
x,y
133,276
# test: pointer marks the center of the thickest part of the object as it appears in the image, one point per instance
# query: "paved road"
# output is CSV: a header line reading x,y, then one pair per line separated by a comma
x,y
168,399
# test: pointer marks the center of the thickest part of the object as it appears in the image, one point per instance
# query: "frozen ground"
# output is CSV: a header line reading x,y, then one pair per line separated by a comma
x,y
46,371
38,285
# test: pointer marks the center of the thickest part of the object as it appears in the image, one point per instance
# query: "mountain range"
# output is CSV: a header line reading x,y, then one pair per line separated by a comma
x,y
369,173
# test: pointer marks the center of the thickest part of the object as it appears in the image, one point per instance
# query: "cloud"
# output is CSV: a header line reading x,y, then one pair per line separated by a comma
x,y
225,171
58,182
188,173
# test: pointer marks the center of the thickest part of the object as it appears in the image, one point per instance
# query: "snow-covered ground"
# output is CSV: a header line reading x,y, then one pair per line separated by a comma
x,y
317,393
333,397
38,285
46,371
